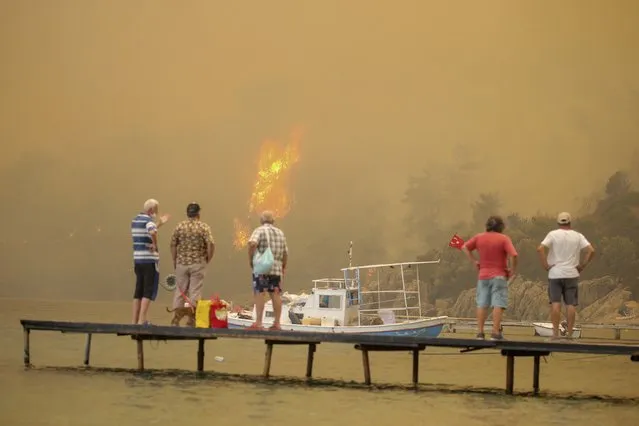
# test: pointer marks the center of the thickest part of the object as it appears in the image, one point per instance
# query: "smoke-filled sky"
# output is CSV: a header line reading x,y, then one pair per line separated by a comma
x,y
105,104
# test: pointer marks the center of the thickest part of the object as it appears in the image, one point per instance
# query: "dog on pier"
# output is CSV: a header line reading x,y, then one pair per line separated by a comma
x,y
181,312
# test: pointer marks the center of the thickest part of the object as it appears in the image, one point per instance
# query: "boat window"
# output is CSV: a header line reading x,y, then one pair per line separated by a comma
x,y
330,302
269,314
353,297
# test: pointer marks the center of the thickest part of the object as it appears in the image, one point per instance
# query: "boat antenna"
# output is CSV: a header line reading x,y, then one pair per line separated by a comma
x,y
350,255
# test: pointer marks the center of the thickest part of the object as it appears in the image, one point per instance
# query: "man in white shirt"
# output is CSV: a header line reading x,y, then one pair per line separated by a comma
x,y
564,265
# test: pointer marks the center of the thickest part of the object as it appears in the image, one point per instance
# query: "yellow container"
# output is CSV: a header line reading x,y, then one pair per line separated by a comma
x,y
311,321
202,311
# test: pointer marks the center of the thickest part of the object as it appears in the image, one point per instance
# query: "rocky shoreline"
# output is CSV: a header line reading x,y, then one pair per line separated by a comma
x,y
604,299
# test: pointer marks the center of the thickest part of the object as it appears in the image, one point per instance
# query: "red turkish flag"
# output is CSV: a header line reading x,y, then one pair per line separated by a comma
x,y
456,242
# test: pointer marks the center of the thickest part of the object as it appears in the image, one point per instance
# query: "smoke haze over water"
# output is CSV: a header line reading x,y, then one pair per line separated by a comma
x,y
543,96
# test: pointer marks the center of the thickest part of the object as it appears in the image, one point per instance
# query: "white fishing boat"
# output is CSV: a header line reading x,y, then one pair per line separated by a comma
x,y
351,305
544,329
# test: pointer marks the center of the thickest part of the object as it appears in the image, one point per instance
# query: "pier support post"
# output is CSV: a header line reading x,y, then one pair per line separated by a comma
x,y
510,367
267,359
536,361
312,347
87,350
367,366
415,349
140,344
309,360
510,374
27,351
415,367
200,355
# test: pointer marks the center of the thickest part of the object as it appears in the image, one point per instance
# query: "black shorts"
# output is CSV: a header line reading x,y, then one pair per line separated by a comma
x,y
566,288
147,279
270,283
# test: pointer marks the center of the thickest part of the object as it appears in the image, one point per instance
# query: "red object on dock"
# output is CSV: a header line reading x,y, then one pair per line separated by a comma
x,y
218,315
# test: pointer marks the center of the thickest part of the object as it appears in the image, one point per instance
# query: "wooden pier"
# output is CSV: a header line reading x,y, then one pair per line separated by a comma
x,y
454,325
364,343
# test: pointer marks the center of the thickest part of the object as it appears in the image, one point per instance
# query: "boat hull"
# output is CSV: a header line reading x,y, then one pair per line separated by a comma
x,y
544,329
429,327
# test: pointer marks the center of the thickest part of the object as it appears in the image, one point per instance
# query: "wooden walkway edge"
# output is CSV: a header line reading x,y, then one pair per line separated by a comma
x,y
363,342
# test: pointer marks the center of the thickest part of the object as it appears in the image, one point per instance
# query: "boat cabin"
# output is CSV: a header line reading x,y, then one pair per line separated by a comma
x,y
331,303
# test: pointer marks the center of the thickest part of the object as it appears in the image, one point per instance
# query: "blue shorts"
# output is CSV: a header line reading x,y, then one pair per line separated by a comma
x,y
492,292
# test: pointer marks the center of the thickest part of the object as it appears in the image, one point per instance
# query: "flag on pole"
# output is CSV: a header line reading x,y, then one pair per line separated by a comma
x,y
456,242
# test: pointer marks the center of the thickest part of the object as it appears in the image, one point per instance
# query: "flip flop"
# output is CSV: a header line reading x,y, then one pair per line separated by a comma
x,y
254,327
275,328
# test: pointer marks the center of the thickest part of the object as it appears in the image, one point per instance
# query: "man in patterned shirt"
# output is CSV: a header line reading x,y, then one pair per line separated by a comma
x,y
192,249
269,282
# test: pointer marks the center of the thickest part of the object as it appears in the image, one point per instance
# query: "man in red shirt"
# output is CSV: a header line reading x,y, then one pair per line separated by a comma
x,y
494,274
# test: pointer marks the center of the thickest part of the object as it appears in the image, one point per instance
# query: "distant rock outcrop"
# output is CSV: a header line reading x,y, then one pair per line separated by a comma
x,y
599,300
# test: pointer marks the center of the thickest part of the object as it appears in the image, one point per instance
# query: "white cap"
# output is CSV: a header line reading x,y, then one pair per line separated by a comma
x,y
563,218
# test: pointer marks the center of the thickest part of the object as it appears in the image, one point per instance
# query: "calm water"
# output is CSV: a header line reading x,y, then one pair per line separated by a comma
x,y
457,389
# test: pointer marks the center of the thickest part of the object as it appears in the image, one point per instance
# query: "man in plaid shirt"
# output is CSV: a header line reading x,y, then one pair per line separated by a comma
x,y
269,282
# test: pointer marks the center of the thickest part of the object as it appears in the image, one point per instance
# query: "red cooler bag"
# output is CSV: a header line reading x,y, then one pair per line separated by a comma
x,y
218,315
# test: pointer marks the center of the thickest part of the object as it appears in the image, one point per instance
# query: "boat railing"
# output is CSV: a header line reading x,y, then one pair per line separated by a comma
x,y
391,265
335,284
404,297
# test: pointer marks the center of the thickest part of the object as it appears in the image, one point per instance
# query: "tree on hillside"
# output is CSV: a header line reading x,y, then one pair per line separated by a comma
x,y
588,204
488,204
618,184
424,212
453,275
435,198
612,227
619,258
617,214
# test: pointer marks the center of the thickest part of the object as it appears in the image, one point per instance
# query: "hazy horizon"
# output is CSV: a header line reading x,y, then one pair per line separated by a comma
x,y
543,97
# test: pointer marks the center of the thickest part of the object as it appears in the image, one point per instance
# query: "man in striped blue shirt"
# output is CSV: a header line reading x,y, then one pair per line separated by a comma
x,y
144,232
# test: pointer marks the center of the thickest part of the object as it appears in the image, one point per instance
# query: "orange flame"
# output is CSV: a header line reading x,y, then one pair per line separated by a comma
x,y
242,234
271,188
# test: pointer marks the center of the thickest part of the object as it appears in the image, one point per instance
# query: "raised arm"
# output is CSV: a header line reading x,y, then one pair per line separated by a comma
x,y
163,219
